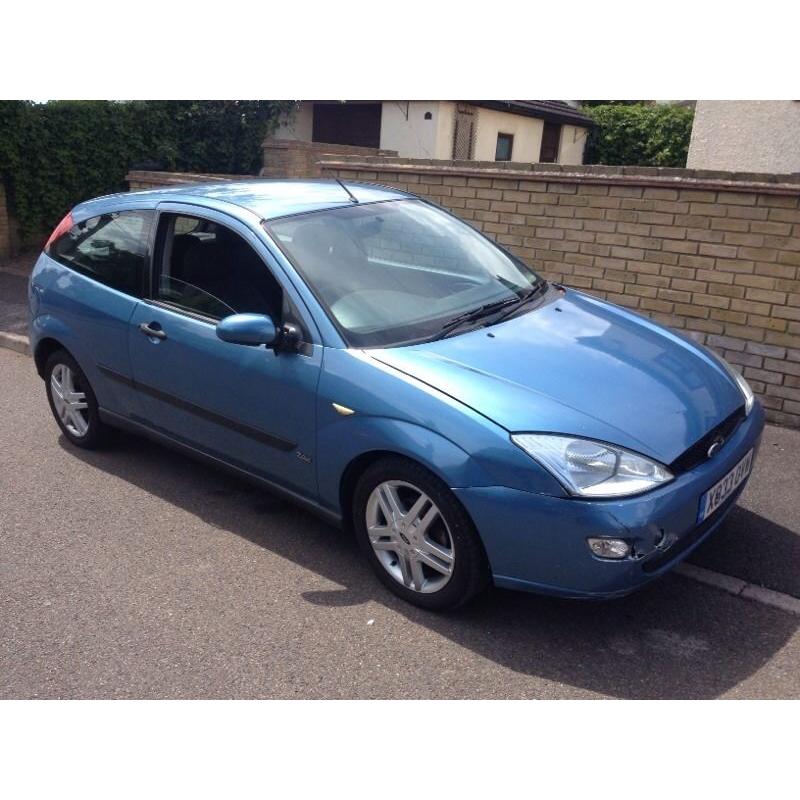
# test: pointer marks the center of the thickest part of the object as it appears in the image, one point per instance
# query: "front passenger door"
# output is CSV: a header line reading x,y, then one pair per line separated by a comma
x,y
249,406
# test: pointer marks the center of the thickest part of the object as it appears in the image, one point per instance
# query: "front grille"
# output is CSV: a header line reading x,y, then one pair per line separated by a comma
x,y
698,452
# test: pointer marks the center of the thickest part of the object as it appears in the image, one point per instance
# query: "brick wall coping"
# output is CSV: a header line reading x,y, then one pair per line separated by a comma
x,y
169,178
665,177
346,150
618,176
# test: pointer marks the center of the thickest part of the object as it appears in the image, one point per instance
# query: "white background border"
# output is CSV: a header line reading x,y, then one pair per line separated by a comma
x,y
679,50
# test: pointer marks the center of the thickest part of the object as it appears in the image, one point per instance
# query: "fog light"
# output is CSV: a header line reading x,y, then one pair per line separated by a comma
x,y
609,548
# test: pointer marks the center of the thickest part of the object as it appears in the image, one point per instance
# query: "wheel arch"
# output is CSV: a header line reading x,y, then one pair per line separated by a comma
x,y
342,458
352,472
356,467
45,347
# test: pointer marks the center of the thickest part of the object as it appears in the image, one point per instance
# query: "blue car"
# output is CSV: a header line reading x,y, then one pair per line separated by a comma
x,y
372,357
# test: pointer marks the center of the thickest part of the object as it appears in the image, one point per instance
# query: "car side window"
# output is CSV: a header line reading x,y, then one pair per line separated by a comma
x,y
208,269
112,248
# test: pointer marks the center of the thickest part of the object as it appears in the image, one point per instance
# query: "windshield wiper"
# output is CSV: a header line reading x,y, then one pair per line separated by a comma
x,y
533,292
475,314
487,309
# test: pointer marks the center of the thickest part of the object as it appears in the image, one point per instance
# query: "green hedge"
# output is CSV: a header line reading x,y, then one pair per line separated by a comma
x,y
54,155
639,135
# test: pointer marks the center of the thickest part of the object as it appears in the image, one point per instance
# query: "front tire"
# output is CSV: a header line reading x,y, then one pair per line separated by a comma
x,y
417,536
73,402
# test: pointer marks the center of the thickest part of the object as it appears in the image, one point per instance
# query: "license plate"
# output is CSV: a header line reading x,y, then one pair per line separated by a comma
x,y
723,489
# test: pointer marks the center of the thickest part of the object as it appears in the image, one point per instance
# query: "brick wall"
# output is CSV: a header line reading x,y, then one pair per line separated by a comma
x,y
285,158
714,254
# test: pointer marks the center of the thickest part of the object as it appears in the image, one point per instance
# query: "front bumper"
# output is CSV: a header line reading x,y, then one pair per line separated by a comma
x,y
538,543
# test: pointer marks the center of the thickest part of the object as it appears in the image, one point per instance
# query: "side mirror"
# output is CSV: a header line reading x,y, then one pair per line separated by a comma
x,y
250,329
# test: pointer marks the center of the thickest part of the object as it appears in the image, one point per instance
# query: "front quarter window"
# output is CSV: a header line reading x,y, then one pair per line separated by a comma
x,y
395,272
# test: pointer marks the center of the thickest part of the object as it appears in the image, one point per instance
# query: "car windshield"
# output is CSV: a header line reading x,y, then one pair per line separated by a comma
x,y
400,271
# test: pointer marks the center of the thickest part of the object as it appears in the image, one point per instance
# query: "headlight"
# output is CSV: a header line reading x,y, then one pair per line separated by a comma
x,y
593,469
744,386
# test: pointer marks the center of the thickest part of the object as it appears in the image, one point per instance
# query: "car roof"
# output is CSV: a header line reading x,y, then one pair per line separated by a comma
x,y
266,198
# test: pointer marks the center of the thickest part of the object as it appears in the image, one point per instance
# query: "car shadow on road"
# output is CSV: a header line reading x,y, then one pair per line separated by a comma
x,y
674,639
756,549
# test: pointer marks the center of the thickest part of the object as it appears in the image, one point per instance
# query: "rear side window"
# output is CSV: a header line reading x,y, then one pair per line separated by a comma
x,y
113,249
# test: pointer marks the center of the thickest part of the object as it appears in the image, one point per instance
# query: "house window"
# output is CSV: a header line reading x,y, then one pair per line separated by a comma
x,y
505,144
551,136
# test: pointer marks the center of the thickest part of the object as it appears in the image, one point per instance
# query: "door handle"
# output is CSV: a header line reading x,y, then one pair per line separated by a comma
x,y
152,329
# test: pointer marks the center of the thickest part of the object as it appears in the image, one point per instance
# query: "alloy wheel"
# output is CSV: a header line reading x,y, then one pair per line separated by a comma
x,y
410,536
69,401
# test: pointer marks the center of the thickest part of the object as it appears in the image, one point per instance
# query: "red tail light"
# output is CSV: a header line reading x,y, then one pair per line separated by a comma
x,y
60,229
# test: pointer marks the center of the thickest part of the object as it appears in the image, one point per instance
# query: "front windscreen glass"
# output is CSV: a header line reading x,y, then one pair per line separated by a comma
x,y
397,272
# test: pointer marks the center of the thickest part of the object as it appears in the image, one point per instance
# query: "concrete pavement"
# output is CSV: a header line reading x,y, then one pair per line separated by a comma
x,y
13,303
135,572
13,306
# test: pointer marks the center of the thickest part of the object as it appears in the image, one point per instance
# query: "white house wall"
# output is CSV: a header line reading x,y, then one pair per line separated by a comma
x,y
527,133
405,129
446,126
573,141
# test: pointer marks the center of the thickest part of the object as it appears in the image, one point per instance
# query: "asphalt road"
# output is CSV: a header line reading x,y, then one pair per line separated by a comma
x,y
138,573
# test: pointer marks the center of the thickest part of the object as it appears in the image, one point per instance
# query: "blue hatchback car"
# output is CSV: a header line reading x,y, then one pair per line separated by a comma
x,y
374,358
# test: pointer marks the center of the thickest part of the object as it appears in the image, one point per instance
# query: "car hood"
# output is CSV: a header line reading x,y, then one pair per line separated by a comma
x,y
578,365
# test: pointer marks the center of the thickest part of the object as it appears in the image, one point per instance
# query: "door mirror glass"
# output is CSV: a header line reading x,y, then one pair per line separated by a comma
x,y
252,329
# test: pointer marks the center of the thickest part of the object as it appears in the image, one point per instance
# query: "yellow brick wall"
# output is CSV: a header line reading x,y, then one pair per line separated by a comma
x,y
287,158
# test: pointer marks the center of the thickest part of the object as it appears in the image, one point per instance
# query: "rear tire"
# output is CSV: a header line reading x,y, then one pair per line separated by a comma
x,y
418,538
73,402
